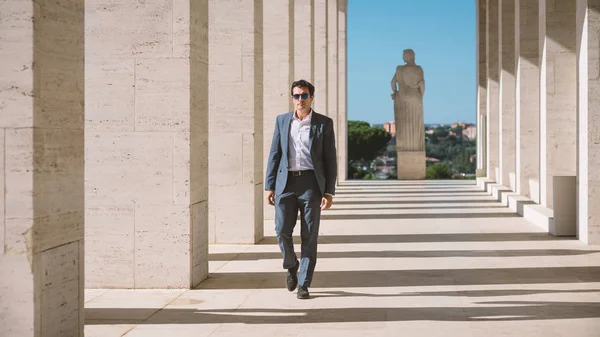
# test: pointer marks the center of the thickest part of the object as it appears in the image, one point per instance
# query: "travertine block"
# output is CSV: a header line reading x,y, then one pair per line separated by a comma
x,y
199,241
229,226
162,246
129,167
109,247
342,129
588,175
59,210
128,29
507,116
593,223
493,97
303,39
332,63
565,206
320,56
481,86
198,173
110,95
16,57
181,27
226,159
16,296
2,193
189,169
60,274
18,187
162,90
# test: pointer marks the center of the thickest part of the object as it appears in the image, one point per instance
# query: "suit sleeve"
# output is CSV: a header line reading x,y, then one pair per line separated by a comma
x,y
329,158
273,161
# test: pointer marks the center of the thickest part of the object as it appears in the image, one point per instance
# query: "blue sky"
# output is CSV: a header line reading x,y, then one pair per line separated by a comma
x,y
442,34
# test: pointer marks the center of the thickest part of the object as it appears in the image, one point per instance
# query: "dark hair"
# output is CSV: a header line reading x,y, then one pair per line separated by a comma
x,y
303,84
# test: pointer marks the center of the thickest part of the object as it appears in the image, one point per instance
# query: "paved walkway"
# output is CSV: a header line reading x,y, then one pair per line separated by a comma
x,y
434,258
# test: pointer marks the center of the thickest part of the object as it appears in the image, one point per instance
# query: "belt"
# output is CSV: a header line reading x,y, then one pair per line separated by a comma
x,y
299,173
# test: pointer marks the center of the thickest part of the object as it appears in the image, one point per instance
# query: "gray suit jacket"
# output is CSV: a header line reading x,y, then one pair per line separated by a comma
x,y
322,150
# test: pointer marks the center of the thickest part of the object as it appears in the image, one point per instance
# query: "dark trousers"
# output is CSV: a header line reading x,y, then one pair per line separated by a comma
x,y
301,193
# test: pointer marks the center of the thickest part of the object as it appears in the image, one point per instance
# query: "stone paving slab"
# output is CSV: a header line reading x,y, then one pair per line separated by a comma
x,y
433,258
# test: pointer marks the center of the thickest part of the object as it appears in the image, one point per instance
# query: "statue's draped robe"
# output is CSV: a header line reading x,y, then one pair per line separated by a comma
x,y
408,109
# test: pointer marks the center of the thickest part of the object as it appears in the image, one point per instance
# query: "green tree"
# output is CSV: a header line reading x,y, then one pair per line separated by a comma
x,y
438,171
365,142
441,132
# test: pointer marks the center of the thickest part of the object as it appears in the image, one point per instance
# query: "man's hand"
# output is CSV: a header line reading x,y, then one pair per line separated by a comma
x,y
271,198
326,202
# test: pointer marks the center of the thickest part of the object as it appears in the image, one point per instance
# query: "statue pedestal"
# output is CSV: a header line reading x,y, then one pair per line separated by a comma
x,y
411,165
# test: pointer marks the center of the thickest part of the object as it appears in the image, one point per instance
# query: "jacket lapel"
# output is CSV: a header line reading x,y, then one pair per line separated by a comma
x,y
313,130
285,135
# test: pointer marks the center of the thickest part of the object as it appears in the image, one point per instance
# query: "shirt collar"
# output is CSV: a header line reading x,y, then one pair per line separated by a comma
x,y
307,118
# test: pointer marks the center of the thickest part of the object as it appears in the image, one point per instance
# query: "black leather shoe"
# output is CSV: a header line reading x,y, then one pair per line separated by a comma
x,y
292,277
303,293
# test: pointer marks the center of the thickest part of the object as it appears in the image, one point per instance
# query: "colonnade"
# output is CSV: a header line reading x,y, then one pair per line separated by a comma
x,y
149,121
537,93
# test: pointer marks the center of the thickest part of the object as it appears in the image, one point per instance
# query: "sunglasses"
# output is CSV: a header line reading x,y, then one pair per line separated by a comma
x,y
297,96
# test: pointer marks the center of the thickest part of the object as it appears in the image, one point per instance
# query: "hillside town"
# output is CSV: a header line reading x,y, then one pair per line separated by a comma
x,y
451,146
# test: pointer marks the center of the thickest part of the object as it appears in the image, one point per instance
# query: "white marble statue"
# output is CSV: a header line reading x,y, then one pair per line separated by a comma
x,y
408,87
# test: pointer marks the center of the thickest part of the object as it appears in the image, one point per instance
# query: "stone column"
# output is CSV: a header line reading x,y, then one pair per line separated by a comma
x,y
558,148
303,40
493,98
320,56
42,156
146,144
236,121
332,63
342,134
528,93
507,137
278,68
588,23
481,86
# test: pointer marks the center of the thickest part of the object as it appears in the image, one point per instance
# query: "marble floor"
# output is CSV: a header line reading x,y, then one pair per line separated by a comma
x,y
427,258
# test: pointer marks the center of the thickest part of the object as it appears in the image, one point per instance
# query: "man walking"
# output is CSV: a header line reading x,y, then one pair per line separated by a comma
x,y
301,175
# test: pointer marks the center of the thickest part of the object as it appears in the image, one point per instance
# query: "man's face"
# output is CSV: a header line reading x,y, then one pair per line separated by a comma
x,y
301,98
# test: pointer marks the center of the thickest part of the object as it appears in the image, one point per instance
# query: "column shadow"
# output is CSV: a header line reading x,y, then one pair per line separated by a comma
x,y
255,256
482,311
408,278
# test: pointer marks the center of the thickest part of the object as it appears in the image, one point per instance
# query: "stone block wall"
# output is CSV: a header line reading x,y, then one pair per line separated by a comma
x,y
146,143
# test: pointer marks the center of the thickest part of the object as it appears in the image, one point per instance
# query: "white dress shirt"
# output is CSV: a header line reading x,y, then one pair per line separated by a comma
x,y
299,144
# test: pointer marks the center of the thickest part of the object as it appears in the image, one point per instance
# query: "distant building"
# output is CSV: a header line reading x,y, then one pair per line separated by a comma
x,y
391,128
470,132
461,124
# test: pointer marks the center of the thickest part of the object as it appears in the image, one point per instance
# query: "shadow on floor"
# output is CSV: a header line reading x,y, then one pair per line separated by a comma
x,y
432,191
371,216
334,208
406,254
486,311
415,202
397,184
407,278
433,237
